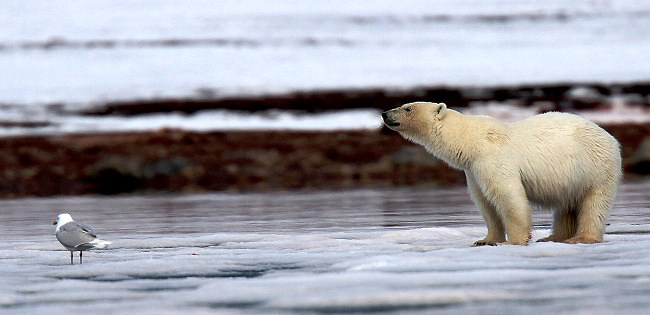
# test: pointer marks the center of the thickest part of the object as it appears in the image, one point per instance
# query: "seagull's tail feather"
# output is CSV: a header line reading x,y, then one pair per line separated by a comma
x,y
97,243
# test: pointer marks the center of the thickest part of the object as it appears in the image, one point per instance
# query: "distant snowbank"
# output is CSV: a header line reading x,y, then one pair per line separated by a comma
x,y
618,113
359,119
206,121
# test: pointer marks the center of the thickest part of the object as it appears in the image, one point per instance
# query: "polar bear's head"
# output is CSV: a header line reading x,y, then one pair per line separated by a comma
x,y
414,119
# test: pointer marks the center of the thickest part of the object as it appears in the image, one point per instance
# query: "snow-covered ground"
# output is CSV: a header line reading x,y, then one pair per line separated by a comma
x,y
84,53
157,48
224,120
212,120
617,113
318,252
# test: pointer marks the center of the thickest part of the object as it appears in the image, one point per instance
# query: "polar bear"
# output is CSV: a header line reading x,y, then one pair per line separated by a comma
x,y
554,160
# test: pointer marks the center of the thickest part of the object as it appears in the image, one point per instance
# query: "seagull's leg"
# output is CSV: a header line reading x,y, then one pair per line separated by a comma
x,y
71,256
81,258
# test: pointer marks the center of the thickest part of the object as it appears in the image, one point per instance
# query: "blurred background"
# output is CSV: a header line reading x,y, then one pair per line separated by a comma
x,y
168,96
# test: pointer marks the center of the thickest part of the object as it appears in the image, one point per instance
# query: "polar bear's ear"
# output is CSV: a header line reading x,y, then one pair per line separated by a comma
x,y
440,111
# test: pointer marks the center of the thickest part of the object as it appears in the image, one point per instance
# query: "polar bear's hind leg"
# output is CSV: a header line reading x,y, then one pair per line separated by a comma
x,y
565,222
592,216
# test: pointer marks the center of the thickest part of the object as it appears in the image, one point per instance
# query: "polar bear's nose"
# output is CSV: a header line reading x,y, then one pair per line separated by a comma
x,y
388,121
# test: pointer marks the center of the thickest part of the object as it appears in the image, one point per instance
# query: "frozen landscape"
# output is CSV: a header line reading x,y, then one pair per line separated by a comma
x,y
58,52
57,55
389,250
385,251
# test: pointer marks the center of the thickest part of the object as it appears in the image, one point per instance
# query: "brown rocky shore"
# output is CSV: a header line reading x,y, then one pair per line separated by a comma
x,y
183,162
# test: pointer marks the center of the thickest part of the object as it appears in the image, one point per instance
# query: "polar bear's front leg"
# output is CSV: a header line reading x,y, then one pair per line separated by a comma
x,y
508,196
496,233
515,211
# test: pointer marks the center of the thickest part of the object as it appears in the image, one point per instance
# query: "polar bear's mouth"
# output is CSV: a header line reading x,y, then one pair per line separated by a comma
x,y
388,121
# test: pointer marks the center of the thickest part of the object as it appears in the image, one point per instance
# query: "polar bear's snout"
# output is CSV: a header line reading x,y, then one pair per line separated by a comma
x,y
389,120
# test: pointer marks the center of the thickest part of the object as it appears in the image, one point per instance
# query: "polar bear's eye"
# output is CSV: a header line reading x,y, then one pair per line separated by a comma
x,y
408,109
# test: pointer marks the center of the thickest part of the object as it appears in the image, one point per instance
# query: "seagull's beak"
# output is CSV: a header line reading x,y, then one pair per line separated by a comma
x,y
54,223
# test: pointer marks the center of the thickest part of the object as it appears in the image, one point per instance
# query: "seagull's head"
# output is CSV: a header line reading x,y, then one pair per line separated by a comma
x,y
62,219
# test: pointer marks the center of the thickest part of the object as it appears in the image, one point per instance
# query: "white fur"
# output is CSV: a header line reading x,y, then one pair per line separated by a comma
x,y
555,160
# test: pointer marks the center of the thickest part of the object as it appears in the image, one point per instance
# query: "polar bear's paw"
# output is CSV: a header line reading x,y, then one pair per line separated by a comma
x,y
582,240
484,243
551,238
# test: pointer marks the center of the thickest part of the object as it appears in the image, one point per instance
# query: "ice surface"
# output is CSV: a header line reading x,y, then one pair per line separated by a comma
x,y
315,252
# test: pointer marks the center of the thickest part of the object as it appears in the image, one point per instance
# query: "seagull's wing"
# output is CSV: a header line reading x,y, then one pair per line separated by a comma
x,y
75,235
86,228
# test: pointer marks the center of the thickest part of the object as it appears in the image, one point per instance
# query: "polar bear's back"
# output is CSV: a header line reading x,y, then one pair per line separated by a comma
x,y
561,154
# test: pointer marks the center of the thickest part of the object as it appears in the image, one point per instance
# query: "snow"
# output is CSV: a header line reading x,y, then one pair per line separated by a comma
x,y
213,120
224,120
398,250
619,112
172,49
69,55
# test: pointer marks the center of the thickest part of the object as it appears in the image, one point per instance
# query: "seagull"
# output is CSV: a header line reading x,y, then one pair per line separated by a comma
x,y
76,236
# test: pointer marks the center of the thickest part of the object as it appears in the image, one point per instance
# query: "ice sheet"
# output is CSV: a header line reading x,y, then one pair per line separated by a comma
x,y
315,252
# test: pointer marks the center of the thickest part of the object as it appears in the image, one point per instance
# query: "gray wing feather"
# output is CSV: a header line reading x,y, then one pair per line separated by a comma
x,y
86,228
73,235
